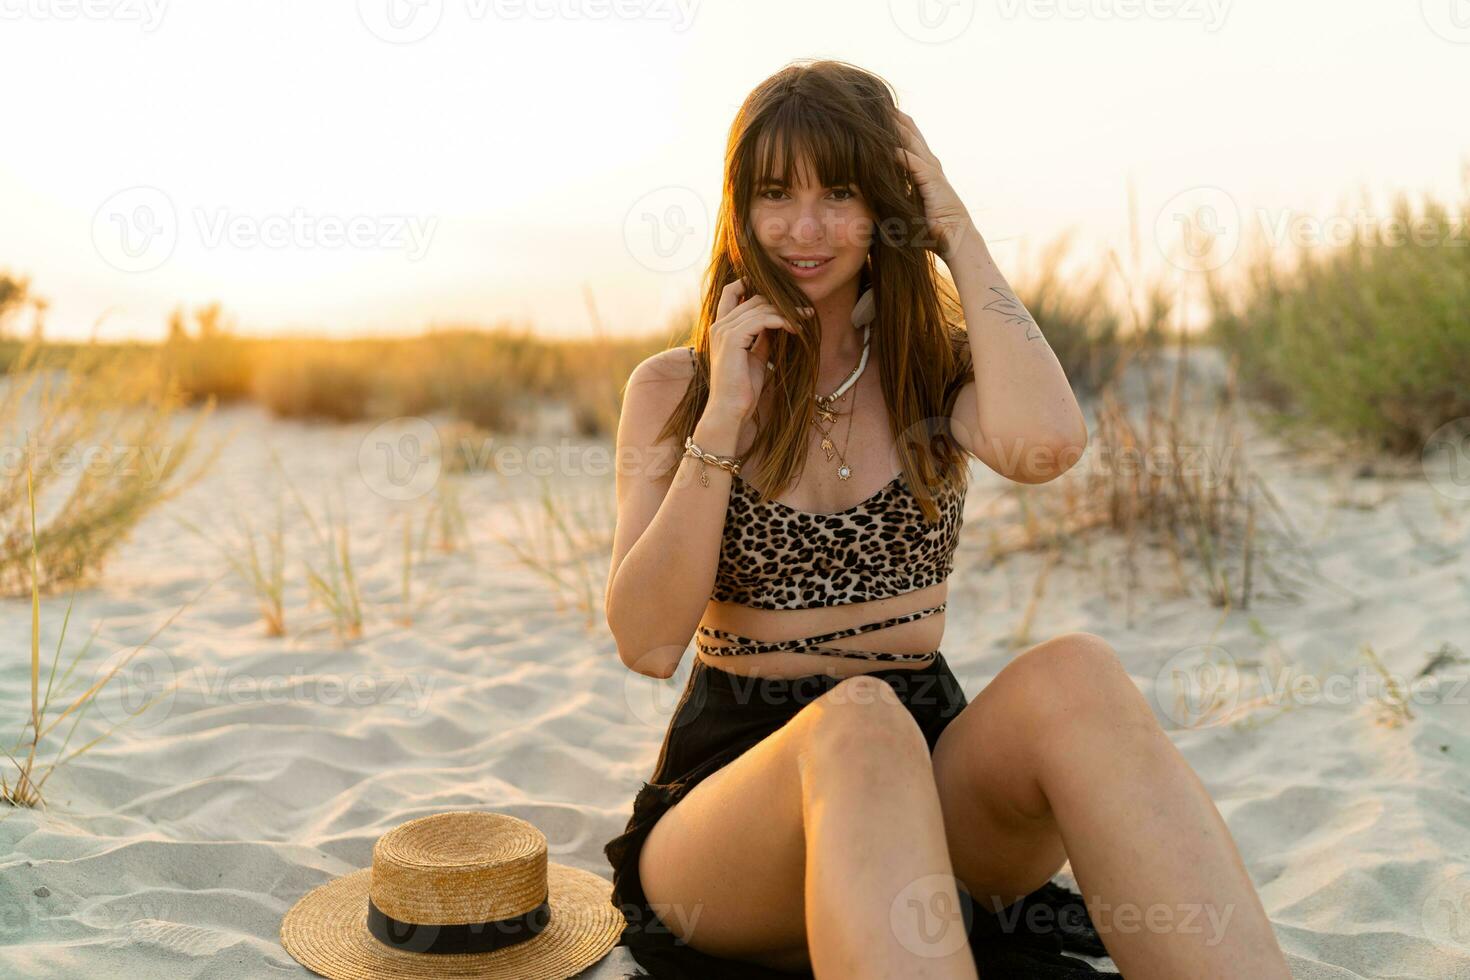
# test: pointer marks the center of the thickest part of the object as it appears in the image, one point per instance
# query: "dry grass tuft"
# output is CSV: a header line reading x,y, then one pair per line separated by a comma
x,y
564,538
24,790
265,576
98,432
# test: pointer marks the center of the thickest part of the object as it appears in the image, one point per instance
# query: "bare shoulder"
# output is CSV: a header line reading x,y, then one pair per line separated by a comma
x,y
656,385
672,365
654,389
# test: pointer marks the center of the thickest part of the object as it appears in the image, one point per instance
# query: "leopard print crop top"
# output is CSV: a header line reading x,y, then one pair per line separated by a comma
x,y
776,557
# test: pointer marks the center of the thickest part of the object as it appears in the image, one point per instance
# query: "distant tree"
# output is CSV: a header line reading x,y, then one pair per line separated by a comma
x,y
176,332
211,321
38,324
15,294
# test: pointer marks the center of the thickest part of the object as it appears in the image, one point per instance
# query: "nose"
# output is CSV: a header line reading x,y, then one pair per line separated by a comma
x,y
808,225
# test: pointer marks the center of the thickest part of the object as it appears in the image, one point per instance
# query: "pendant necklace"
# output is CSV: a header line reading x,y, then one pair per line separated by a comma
x,y
827,414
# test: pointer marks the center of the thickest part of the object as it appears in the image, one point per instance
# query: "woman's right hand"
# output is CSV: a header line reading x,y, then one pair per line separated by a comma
x,y
739,349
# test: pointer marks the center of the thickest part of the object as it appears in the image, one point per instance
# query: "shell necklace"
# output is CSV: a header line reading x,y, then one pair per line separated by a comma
x,y
863,314
827,414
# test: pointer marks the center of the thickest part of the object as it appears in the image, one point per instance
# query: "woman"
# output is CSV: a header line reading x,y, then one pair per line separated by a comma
x,y
826,802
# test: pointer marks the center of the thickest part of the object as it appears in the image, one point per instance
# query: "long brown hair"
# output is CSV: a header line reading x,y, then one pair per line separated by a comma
x,y
840,117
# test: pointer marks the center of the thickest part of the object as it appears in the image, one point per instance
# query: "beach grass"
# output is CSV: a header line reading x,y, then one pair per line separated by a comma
x,y
1368,340
564,538
23,787
100,439
261,566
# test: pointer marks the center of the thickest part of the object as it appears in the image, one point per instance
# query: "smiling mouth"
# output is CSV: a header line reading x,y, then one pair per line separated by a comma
x,y
807,264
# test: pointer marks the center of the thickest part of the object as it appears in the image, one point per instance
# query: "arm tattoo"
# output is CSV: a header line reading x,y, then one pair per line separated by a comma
x,y
1011,308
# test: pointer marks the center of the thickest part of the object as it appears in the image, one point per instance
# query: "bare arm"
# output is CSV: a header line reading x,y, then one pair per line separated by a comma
x,y
1020,417
669,525
1017,413
666,548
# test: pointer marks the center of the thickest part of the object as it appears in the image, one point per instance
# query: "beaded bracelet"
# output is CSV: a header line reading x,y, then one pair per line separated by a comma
x,y
730,463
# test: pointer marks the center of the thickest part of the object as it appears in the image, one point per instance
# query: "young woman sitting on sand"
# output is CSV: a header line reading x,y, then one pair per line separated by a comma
x,y
825,792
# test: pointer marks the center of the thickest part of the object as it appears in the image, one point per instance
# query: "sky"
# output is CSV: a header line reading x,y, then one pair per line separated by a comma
x,y
385,166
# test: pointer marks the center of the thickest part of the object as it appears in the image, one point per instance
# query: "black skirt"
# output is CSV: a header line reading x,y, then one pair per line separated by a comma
x,y
721,715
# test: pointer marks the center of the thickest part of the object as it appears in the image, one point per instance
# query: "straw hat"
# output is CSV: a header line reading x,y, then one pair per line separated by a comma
x,y
460,894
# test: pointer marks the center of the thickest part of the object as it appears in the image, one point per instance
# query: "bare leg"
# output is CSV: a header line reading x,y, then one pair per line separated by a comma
x,y
821,847
1062,747
880,891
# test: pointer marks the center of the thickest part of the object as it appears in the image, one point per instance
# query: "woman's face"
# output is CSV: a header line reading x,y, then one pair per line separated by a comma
x,y
832,225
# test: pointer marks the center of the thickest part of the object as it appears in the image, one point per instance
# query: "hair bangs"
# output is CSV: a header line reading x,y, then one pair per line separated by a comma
x,y
797,133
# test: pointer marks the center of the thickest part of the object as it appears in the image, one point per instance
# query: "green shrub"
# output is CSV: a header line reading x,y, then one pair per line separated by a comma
x,y
1370,340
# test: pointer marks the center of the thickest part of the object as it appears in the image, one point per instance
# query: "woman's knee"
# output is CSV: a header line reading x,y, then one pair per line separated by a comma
x,y
862,720
1077,679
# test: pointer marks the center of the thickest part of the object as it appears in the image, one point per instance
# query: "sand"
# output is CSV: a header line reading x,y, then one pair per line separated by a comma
x,y
175,846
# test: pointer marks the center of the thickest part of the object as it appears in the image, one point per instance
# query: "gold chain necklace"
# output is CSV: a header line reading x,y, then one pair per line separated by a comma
x,y
844,471
826,413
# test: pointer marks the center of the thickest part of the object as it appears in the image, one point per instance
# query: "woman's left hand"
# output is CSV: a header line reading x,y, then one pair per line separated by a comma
x,y
946,215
